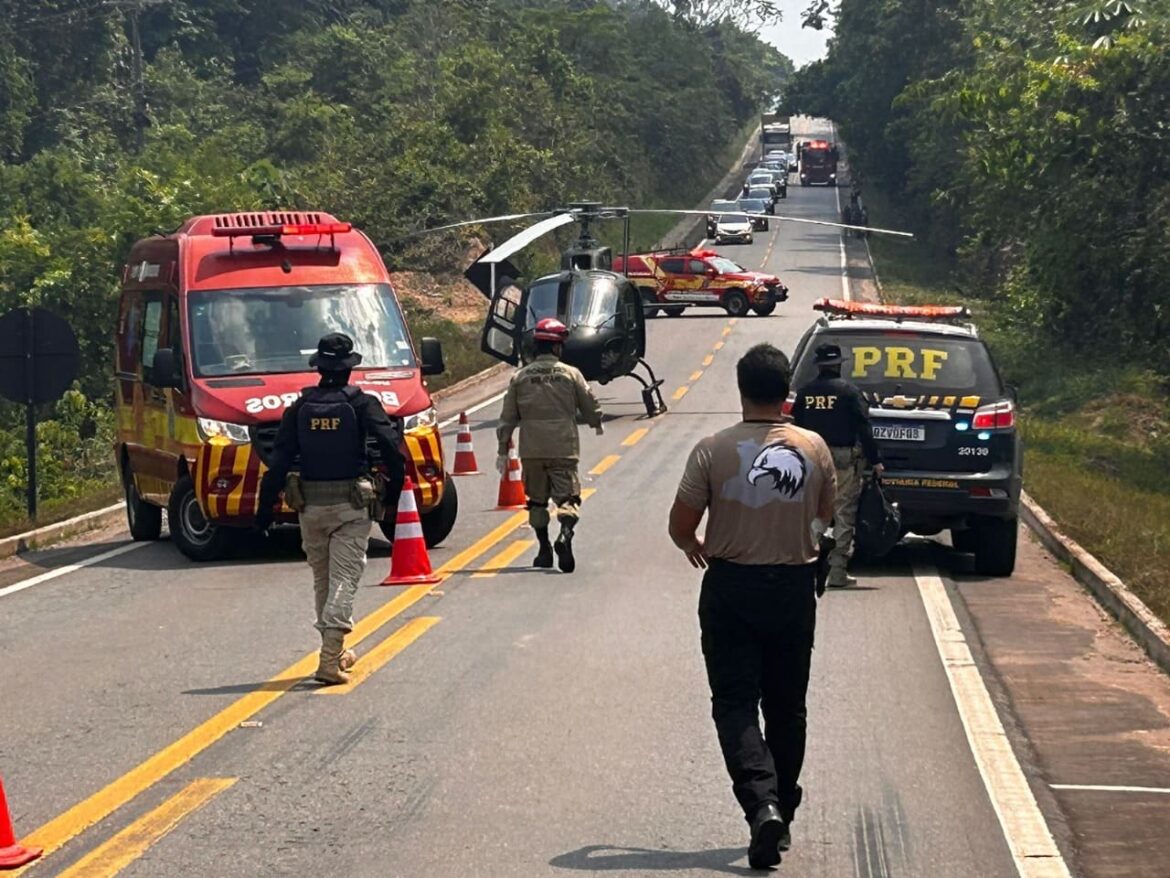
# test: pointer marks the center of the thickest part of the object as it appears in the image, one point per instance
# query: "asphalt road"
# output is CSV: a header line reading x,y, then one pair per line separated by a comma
x,y
523,723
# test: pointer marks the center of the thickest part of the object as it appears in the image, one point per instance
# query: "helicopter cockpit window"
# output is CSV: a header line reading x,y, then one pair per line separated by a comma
x,y
588,301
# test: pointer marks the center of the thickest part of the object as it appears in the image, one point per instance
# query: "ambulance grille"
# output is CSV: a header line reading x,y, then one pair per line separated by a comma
x,y
262,219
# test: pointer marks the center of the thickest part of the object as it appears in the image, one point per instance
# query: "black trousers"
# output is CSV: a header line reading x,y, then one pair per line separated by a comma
x,y
757,629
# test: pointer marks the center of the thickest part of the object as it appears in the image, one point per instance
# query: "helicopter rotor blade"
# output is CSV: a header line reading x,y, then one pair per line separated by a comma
x,y
482,221
778,217
522,239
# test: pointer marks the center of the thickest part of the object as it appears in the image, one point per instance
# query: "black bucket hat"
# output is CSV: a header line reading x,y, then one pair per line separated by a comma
x,y
335,353
828,355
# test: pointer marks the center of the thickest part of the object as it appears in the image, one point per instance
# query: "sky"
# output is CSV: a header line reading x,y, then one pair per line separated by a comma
x,y
800,44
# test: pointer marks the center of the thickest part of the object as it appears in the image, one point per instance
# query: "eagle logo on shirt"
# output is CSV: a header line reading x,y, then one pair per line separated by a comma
x,y
780,467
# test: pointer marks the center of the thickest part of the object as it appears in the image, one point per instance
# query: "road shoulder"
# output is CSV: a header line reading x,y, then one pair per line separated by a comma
x,y
1093,708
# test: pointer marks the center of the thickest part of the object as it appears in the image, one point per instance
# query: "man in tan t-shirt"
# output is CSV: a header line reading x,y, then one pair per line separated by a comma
x,y
767,487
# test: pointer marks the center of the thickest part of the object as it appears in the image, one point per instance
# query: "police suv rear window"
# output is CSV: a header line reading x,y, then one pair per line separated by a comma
x,y
907,362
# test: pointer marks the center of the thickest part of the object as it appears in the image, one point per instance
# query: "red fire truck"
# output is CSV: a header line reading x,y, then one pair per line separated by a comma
x,y
818,163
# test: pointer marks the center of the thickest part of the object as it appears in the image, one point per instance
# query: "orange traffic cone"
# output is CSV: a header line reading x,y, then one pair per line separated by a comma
x,y
11,853
409,563
512,494
465,464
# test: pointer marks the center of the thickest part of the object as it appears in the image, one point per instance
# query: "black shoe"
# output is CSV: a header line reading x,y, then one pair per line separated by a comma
x,y
768,829
564,549
544,557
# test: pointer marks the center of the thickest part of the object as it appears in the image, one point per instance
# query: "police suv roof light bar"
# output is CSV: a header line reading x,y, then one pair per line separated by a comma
x,y
839,308
270,234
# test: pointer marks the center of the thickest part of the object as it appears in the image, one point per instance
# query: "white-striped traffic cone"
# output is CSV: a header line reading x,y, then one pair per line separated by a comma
x,y
465,464
409,562
512,494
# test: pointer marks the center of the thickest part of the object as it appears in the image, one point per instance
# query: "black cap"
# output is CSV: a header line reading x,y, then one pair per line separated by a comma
x,y
828,355
335,353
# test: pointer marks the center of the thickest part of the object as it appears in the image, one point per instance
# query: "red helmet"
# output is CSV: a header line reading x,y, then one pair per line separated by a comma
x,y
551,329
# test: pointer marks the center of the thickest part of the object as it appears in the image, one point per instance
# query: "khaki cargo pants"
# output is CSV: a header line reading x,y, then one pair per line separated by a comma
x,y
552,478
848,463
335,537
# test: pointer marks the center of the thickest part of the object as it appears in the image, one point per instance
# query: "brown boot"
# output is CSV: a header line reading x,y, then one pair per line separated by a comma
x,y
329,669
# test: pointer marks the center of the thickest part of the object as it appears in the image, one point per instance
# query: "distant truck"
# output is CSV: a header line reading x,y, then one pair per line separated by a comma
x,y
818,163
775,133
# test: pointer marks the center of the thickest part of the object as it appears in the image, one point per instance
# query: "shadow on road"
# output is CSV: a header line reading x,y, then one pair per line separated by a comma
x,y
604,858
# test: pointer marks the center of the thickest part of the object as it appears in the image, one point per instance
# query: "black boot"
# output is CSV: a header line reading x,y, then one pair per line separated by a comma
x,y
767,829
564,548
544,555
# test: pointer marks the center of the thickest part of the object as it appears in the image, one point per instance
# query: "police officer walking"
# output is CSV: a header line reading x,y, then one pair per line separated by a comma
x,y
763,483
326,430
544,399
832,407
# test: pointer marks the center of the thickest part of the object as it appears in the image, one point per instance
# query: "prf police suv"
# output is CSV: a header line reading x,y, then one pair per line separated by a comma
x,y
215,328
944,420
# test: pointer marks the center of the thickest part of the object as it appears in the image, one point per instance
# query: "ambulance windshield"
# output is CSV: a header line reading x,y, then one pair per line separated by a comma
x,y
271,330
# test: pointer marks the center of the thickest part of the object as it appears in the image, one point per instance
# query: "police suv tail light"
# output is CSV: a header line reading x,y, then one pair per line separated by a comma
x,y
425,418
1000,416
786,409
233,434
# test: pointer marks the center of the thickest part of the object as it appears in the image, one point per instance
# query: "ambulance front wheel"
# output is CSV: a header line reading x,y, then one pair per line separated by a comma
x,y
191,532
144,519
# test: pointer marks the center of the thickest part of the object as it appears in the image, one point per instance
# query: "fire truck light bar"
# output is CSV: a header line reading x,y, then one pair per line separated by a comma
x,y
284,230
841,308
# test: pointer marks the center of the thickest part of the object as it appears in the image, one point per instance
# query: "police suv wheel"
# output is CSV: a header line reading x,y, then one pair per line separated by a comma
x,y
736,303
673,310
144,519
995,546
191,532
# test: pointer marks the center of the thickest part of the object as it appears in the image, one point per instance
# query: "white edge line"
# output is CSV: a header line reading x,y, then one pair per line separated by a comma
x,y
845,291
70,568
1105,788
1028,838
443,425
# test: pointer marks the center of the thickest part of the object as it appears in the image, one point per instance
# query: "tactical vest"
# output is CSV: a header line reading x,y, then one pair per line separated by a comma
x,y
332,439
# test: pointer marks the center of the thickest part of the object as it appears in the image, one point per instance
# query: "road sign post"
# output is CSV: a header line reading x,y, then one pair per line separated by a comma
x,y
38,362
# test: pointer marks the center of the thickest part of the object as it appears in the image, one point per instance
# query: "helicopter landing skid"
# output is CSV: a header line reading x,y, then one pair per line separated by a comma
x,y
651,391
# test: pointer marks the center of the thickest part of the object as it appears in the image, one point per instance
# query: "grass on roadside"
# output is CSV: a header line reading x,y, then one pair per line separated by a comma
x,y
1096,436
93,495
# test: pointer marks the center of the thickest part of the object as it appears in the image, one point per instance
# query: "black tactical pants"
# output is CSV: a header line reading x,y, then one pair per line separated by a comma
x,y
757,630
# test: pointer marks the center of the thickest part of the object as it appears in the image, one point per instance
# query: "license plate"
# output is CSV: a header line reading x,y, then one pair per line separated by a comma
x,y
899,432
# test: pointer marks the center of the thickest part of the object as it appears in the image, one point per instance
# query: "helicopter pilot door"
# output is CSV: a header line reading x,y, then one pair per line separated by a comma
x,y
501,329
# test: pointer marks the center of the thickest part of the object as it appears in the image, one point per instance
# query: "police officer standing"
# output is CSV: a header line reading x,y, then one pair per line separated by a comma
x,y
326,429
832,407
544,399
763,483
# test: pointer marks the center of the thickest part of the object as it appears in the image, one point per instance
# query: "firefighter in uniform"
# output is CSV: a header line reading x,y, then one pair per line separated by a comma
x,y
326,430
767,487
544,399
831,406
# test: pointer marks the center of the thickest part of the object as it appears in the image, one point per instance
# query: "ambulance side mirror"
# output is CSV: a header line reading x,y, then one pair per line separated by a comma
x,y
432,357
164,369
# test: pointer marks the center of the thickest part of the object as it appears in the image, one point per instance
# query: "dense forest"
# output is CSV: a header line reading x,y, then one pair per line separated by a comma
x,y
1030,143
120,117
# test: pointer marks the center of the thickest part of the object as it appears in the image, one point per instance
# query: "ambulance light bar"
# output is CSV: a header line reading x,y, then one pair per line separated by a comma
x,y
841,308
283,230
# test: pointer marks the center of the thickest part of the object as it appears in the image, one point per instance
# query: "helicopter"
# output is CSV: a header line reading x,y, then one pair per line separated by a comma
x,y
602,308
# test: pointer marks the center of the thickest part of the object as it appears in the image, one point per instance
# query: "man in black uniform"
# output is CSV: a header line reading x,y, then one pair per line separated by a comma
x,y
326,431
832,407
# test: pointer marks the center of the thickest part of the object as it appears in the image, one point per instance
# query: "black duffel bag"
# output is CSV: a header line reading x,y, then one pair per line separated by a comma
x,y
879,523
